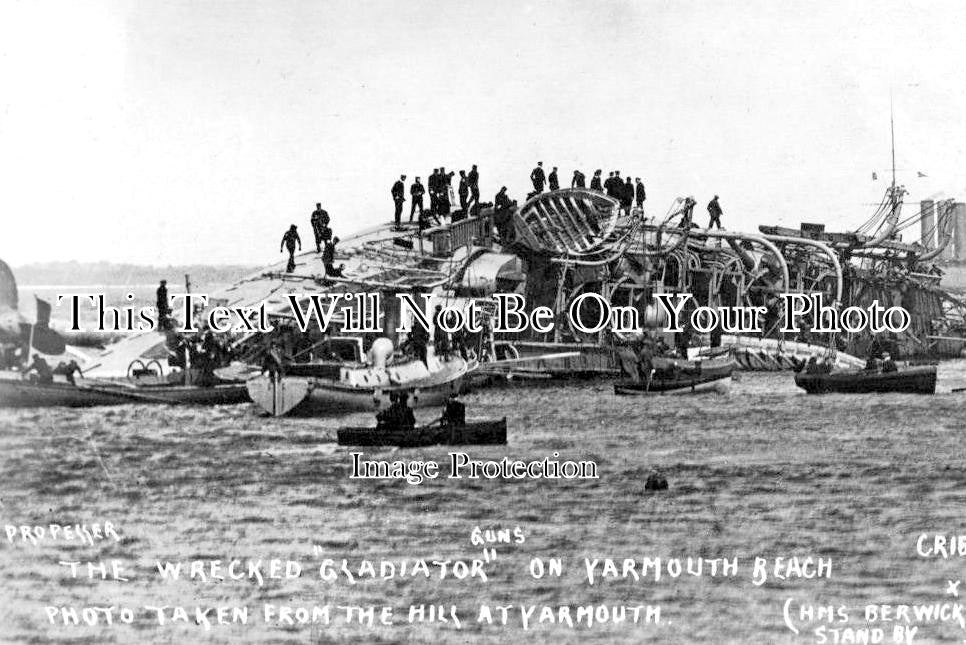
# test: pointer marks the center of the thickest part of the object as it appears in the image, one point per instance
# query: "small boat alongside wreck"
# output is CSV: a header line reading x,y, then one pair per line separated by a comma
x,y
906,380
672,376
327,386
478,432
17,392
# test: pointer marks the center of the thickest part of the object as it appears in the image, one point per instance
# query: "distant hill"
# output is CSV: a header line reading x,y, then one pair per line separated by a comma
x,y
109,273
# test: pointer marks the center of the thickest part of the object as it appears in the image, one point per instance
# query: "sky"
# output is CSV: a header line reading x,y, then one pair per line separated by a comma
x,y
182,132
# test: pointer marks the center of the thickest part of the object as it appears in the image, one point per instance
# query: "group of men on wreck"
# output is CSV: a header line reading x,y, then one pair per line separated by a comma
x,y
325,242
439,186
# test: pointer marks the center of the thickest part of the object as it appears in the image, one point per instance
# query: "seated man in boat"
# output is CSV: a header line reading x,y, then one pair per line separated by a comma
x,y
645,362
398,416
888,365
44,375
872,363
407,418
386,418
454,414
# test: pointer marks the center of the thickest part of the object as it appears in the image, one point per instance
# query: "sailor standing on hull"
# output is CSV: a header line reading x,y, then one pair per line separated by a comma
x,y
464,193
433,185
595,182
639,192
416,192
538,178
164,311
398,193
552,180
473,179
289,240
714,210
320,223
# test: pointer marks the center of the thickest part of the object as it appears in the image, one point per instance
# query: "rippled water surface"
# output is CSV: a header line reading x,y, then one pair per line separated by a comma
x,y
764,470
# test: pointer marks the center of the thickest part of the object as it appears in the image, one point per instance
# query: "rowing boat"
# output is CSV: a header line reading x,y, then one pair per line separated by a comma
x,y
17,392
681,377
910,380
336,387
482,432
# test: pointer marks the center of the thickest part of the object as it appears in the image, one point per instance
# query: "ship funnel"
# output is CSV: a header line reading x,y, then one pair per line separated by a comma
x,y
380,352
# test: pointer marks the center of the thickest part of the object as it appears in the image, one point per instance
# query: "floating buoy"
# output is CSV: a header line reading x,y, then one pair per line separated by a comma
x,y
655,482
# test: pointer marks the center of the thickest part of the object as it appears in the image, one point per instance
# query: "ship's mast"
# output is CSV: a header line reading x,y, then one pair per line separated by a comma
x,y
892,130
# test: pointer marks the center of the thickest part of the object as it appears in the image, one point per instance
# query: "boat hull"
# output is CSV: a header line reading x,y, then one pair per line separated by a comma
x,y
24,394
472,433
313,395
690,378
910,380
720,385
18,393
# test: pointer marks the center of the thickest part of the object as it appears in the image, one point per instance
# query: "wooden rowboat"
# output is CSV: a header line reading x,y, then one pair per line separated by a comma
x,y
482,432
15,392
681,377
909,380
321,389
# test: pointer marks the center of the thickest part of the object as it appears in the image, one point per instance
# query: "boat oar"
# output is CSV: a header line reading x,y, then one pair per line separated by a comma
x,y
124,392
959,389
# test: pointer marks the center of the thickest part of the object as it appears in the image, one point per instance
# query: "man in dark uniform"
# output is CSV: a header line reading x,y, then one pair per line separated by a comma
x,y
538,178
406,417
433,185
627,195
645,360
161,304
398,416
328,259
289,240
44,374
609,184
419,339
320,222
454,414
416,191
473,179
552,180
398,193
440,335
595,182
502,215
639,193
888,365
386,419
443,187
682,341
67,370
714,210
464,191
578,180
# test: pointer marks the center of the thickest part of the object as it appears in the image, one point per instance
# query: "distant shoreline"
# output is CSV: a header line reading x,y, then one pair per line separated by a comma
x,y
86,275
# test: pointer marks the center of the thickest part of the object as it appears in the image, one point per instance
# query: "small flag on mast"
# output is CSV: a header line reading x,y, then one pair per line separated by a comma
x,y
874,176
43,313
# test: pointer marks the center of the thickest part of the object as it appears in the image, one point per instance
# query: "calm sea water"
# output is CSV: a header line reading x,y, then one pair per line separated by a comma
x,y
763,471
